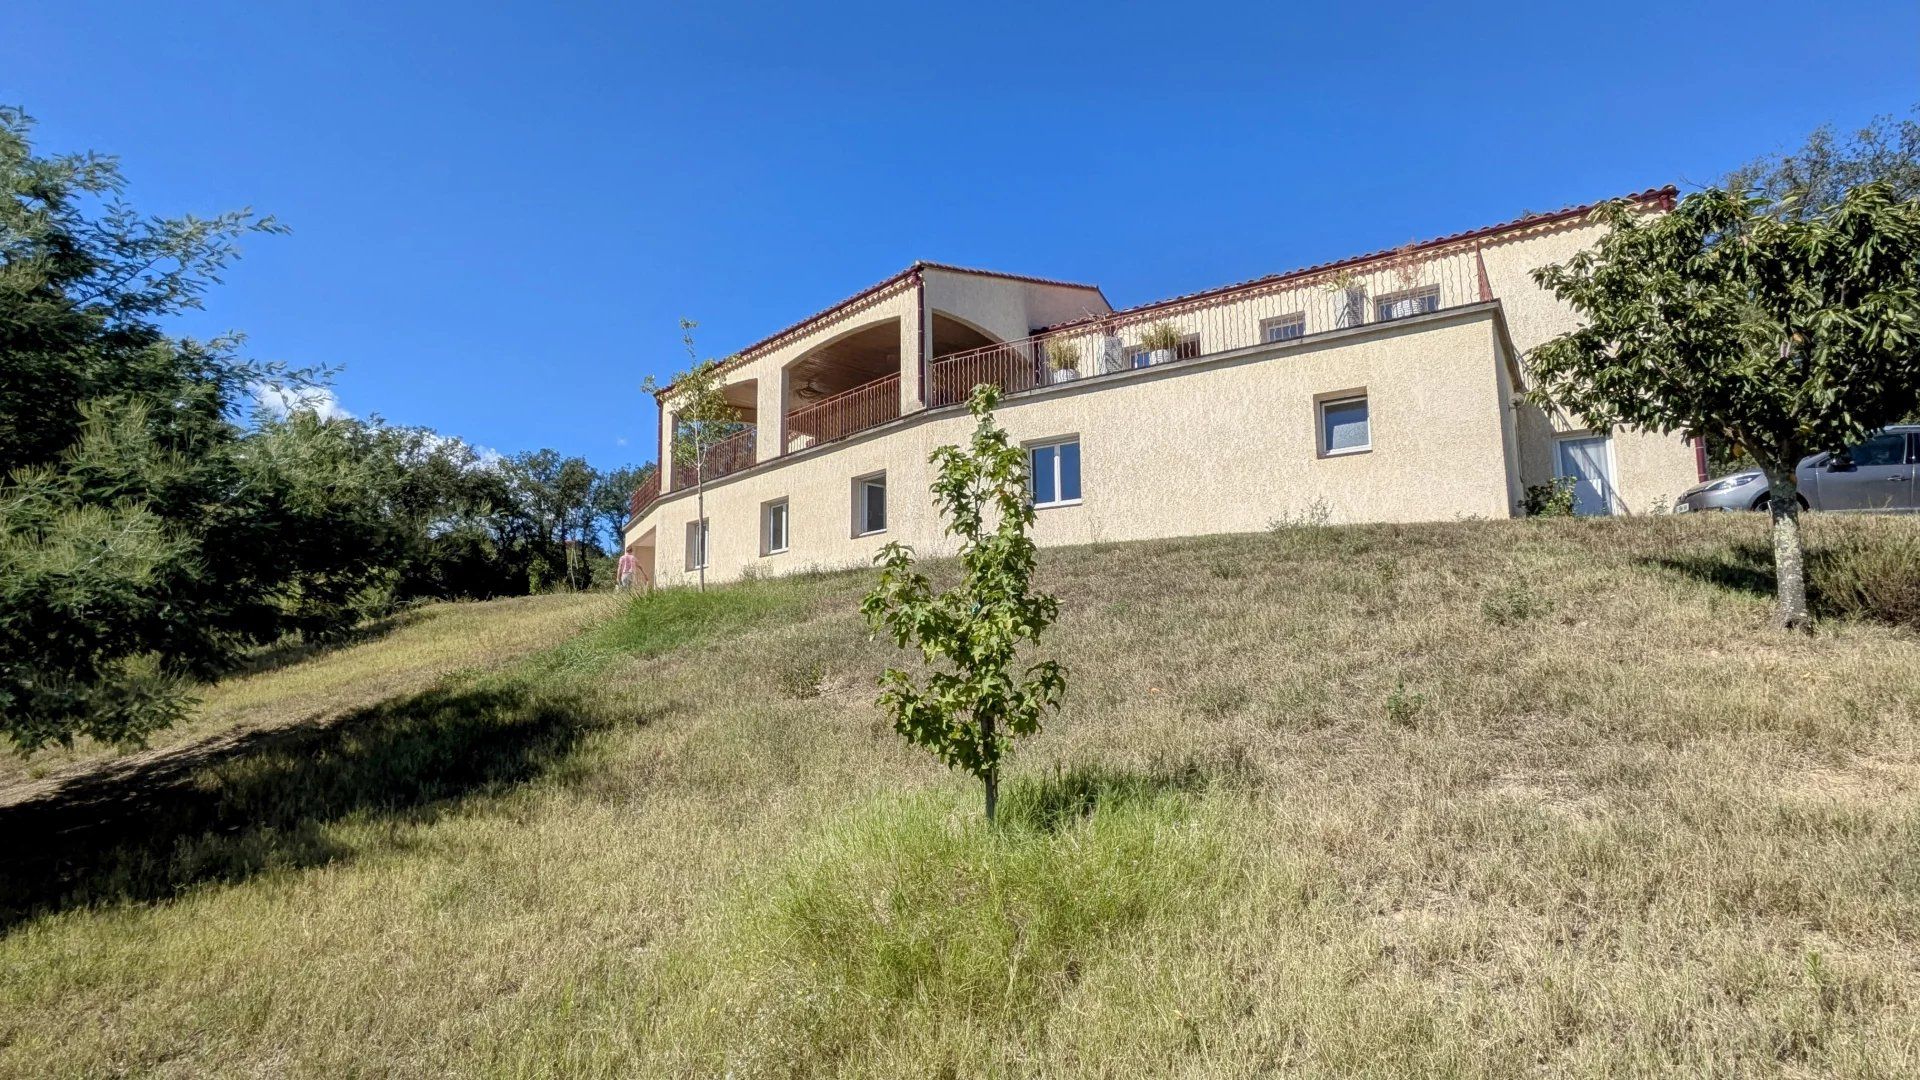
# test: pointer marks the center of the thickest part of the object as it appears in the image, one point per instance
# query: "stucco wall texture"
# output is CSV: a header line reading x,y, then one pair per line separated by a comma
x,y
1218,444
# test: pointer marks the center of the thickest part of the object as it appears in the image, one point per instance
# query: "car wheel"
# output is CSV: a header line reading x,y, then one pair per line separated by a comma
x,y
1761,502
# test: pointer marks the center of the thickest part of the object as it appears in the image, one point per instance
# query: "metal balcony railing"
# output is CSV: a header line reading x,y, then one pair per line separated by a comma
x,y
1393,287
644,496
856,410
729,455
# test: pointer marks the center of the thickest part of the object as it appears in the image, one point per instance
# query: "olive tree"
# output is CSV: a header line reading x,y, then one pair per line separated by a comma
x,y
974,700
1780,334
702,416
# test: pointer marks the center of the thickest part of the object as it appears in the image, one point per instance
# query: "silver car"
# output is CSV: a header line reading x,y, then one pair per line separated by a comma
x,y
1876,476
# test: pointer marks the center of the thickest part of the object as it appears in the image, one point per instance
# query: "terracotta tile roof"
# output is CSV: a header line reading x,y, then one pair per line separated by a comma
x,y
747,353
1661,196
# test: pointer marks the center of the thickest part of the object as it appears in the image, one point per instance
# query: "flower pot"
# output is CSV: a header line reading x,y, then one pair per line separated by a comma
x,y
1065,374
1160,356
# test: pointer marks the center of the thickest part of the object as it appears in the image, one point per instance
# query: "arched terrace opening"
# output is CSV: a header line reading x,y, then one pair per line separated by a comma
x,y
847,385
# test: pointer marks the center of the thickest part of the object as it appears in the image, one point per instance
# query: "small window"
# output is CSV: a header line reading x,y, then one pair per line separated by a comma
x,y
697,544
773,527
870,504
1283,328
1345,427
1187,349
1054,472
1413,302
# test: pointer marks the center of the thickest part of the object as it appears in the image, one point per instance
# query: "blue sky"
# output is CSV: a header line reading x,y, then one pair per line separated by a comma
x,y
501,211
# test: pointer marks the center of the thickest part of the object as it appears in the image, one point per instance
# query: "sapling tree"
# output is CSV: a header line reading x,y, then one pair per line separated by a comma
x,y
1779,334
702,417
975,699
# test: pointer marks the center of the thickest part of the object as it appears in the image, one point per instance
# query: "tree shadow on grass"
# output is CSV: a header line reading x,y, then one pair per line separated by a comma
x,y
293,650
1741,567
227,810
1747,567
1059,798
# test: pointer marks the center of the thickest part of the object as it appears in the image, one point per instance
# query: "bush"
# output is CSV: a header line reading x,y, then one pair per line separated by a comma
x,y
1549,500
1871,574
1512,603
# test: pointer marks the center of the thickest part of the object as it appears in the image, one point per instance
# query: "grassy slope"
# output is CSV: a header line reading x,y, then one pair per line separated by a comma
x,y
1474,799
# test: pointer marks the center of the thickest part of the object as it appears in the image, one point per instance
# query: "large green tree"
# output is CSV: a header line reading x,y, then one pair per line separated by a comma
x,y
1778,332
1802,182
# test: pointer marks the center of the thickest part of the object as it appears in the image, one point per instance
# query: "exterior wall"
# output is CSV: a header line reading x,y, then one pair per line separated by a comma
x,y
1224,444
899,302
1650,469
1008,308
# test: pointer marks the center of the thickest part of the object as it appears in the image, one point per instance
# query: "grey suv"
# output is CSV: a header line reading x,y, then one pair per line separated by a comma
x,y
1876,476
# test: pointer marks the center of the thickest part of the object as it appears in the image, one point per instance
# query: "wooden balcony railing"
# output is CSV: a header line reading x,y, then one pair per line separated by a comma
x,y
729,455
856,410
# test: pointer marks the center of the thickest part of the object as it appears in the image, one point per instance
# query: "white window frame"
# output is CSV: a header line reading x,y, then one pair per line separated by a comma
x,y
1611,494
1187,348
1267,326
1320,433
704,544
766,526
1381,304
1058,441
860,485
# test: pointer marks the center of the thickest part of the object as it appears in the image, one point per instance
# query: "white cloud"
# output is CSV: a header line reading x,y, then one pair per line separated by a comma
x,y
283,401
621,441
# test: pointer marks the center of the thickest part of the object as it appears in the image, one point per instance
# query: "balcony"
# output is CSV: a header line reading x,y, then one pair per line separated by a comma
x,y
848,413
1291,308
643,497
729,455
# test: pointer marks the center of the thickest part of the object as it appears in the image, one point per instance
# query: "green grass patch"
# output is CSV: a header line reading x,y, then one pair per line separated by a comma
x,y
913,918
659,622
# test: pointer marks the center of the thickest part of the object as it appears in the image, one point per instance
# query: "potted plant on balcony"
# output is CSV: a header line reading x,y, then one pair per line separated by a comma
x,y
1063,357
1161,341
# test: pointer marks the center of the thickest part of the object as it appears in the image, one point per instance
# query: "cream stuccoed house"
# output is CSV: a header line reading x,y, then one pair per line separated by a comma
x,y
1382,388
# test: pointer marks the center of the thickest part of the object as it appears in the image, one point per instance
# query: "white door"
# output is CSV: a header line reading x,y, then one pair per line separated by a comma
x,y
1588,462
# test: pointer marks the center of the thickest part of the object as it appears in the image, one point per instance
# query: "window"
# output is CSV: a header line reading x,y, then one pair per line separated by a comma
x,y
1353,307
1054,472
1187,349
1886,448
870,504
773,527
1412,302
1283,328
696,544
1344,426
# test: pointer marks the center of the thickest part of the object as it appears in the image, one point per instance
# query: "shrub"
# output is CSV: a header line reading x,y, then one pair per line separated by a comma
x,y
1403,708
1159,337
1063,355
1316,515
1872,574
1512,603
1553,499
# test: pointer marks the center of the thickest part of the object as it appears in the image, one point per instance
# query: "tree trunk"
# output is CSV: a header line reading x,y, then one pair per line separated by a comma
x,y
700,512
992,773
1789,551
